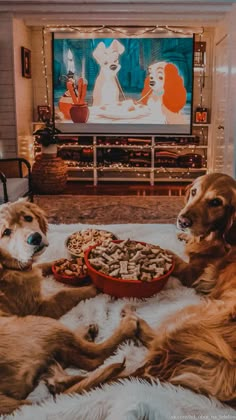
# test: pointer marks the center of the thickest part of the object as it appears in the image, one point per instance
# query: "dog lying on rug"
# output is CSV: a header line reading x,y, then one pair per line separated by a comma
x,y
196,347
31,342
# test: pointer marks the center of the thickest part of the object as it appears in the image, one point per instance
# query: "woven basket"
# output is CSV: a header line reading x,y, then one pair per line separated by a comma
x,y
49,174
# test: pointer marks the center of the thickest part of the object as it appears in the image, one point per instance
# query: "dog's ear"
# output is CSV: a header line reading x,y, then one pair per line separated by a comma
x,y
99,51
23,200
40,216
117,46
187,192
174,97
230,230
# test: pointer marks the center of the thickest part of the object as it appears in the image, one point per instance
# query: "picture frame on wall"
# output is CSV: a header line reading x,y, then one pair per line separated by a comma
x,y
26,62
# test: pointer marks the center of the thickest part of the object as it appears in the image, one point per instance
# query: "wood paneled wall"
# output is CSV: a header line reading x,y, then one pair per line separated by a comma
x,y
8,141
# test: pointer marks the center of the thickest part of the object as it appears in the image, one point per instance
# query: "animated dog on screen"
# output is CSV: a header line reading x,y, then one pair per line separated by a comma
x,y
106,89
164,93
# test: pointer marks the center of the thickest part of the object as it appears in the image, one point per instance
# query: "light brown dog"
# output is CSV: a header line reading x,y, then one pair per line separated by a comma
x,y
196,347
32,343
210,207
23,228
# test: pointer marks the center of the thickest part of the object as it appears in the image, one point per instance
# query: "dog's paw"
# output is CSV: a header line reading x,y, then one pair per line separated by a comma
x,y
129,325
113,371
119,367
92,332
55,379
127,309
90,291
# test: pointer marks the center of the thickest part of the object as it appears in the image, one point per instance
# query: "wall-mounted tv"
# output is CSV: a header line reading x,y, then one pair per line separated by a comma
x,y
123,85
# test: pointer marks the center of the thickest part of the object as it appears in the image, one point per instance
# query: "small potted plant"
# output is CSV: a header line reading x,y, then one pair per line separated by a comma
x,y
47,137
49,171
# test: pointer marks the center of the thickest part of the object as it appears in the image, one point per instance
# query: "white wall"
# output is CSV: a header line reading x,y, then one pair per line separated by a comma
x,y
224,96
23,89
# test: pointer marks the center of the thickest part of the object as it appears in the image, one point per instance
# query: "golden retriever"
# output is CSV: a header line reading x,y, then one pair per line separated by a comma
x,y
196,347
210,207
32,343
23,228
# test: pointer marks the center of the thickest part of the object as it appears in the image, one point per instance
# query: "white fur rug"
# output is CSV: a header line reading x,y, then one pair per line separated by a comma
x,y
134,399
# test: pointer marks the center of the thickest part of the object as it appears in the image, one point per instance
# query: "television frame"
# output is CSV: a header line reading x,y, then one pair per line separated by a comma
x,y
121,128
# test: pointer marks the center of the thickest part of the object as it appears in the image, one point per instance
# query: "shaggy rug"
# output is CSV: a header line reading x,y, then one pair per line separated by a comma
x,y
108,209
134,399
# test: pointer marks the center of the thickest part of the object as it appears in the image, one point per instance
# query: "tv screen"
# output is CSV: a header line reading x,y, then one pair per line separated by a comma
x,y
123,85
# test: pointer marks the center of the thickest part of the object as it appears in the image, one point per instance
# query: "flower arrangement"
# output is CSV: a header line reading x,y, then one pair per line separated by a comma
x,y
47,135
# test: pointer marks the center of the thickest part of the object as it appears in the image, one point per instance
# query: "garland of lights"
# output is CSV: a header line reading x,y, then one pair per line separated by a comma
x,y
201,80
45,67
126,31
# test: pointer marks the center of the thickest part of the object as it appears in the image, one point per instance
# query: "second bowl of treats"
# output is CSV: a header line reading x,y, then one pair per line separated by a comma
x,y
127,268
73,271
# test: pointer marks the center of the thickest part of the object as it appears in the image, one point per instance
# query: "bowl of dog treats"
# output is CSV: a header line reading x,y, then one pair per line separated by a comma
x,y
78,242
73,272
128,268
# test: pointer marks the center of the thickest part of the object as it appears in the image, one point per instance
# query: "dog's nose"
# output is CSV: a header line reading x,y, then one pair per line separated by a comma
x,y
152,83
184,222
113,67
34,239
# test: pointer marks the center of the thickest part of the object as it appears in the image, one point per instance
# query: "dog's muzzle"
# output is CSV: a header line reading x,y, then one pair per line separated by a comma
x,y
113,67
184,222
36,240
152,83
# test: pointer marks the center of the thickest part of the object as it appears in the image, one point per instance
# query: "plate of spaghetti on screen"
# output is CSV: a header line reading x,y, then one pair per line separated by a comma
x,y
124,110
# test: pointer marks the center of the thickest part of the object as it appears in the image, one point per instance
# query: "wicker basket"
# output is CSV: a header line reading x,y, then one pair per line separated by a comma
x,y
49,174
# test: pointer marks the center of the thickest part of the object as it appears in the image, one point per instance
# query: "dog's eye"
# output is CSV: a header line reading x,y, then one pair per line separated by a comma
x,y
160,77
106,63
28,218
7,232
215,202
193,192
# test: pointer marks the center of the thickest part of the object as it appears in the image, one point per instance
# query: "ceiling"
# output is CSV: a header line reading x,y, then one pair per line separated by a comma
x,y
122,12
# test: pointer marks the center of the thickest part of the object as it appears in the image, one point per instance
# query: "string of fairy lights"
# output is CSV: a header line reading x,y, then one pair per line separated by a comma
x,y
201,83
131,32
45,67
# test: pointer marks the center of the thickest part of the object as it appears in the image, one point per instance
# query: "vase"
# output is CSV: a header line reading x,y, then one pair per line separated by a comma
x,y
79,113
49,172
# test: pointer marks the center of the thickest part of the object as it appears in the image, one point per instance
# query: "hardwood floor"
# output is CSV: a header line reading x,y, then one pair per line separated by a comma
x,y
125,188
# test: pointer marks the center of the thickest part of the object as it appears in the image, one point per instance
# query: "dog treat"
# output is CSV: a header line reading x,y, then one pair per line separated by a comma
x,y
78,242
73,268
130,260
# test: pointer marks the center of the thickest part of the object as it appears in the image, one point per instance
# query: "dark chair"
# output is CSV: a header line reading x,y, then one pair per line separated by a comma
x,y
15,179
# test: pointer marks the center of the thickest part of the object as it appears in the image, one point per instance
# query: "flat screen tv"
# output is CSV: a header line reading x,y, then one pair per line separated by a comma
x,y
123,85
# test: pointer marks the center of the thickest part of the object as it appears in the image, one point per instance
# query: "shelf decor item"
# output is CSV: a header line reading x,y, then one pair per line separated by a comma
x,y
44,113
49,171
201,115
199,53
